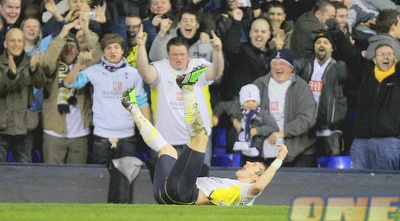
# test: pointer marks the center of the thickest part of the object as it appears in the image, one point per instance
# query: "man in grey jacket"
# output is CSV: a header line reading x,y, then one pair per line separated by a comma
x,y
189,28
291,103
18,75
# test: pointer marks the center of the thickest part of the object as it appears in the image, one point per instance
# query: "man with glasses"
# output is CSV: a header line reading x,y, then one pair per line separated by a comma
x,y
132,23
377,125
188,28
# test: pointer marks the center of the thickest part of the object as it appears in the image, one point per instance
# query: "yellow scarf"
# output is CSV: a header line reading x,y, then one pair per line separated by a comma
x,y
131,55
381,75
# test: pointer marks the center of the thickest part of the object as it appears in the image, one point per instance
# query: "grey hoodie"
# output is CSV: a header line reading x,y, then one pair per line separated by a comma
x,y
382,38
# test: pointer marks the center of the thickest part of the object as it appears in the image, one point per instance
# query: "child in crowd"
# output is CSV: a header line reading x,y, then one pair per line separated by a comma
x,y
256,124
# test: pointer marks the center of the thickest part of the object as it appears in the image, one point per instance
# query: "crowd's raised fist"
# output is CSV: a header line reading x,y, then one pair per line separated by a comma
x,y
332,25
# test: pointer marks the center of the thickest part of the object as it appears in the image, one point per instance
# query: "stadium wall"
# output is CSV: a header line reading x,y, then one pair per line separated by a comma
x,y
43,183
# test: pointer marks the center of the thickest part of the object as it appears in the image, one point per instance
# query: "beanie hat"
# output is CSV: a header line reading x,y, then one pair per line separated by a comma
x,y
284,54
249,92
327,36
323,35
71,38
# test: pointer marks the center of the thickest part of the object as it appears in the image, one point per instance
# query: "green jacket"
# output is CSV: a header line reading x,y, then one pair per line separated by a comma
x,y
16,97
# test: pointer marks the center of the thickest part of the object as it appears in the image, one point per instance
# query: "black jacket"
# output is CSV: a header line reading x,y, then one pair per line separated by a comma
x,y
378,104
223,24
244,63
332,108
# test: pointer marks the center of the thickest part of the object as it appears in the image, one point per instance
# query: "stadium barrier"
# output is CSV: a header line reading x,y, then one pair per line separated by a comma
x,y
44,183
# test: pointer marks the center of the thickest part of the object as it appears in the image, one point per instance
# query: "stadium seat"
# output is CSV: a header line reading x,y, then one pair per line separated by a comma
x,y
225,160
338,162
219,137
219,150
142,156
10,157
36,156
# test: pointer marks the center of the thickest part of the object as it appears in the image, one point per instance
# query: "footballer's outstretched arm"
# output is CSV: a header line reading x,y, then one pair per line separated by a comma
x,y
265,178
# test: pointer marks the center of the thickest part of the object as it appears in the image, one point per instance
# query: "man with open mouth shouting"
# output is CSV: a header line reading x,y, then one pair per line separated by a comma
x,y
377,124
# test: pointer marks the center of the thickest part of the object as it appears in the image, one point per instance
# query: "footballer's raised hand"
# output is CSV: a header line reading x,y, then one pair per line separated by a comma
x,y
283,151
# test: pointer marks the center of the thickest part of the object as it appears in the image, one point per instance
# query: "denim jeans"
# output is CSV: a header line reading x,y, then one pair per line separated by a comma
x,y
103,153
376,153
19,145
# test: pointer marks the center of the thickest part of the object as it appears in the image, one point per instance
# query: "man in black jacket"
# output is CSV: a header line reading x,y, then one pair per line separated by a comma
x,y
377,124
245,63
307,26
327,78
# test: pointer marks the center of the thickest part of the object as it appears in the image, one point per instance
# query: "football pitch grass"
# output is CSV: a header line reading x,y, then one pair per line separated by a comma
x,y
142,212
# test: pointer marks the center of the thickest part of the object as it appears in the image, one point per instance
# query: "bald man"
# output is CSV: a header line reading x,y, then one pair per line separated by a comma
x,y
247,61
18,74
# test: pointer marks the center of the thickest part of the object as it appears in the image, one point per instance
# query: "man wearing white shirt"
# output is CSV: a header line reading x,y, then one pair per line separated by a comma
x,y
291,104
326,78
166,96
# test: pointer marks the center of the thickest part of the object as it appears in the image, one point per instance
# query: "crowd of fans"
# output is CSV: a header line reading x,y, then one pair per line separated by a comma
x,y
322,75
